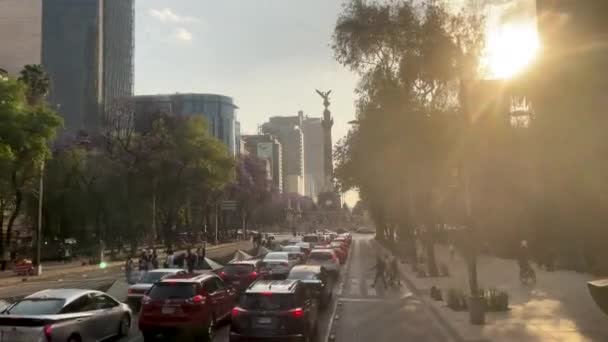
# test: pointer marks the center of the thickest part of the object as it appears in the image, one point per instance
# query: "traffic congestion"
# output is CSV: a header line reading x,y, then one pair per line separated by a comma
x,y
278,295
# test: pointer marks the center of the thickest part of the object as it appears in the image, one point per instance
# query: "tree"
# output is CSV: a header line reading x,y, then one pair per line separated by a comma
x,y
251,187
37,81
410,58
26,129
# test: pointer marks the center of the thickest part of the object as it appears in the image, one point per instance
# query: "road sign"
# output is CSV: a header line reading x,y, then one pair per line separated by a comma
x,y
228,205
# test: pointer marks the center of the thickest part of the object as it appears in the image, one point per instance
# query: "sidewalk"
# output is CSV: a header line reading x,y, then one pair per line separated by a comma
x,y
54,269
557,308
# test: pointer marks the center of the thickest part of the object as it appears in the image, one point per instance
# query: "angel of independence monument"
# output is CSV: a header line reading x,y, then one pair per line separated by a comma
x,y
328,198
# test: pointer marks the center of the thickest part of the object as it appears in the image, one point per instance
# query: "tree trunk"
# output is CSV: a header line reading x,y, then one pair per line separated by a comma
x,y
16,209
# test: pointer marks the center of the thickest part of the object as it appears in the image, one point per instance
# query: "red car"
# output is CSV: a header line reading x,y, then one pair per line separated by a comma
x,y
240,274
185,306
343,239
343,246
337,250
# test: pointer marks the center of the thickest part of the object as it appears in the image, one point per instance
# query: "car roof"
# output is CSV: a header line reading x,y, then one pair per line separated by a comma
x,y
284,253
188,278
274,286
67,294
166,270
245,262
322,250
307,268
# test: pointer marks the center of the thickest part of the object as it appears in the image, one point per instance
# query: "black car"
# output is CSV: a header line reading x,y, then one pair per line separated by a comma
x,y
317,279
240,274
275,310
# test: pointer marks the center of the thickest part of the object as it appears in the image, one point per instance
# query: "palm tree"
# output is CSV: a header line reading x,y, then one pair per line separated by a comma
x,y
37,81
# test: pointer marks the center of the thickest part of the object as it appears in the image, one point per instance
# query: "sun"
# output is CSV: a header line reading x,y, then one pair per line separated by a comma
x,y
510,48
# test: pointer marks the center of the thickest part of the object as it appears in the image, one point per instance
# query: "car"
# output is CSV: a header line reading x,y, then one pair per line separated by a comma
x,y
240,274
317,278
271,309
185,306
326,258
341,251
294,241
137,291
305,246
343,240
295,251
278,264
65,315
313,239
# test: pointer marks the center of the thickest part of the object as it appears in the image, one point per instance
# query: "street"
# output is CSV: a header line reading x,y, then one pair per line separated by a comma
x,y
360,312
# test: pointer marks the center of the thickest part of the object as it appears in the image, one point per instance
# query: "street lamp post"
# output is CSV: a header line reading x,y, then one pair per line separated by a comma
x,y
37,263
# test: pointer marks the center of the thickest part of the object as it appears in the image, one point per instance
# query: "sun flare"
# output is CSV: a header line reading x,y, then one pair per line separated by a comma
x,y
510,49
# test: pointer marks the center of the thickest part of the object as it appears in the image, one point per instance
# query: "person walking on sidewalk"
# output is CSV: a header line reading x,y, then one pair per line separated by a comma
x,y
6,257
190,261
380,271
170,263
394,271
128,269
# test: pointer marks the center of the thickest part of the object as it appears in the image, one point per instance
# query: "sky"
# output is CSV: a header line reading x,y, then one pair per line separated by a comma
x,y
269,55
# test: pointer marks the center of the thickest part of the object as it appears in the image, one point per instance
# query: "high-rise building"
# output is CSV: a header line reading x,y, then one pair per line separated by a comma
x,y
86,47
314,168
288,129
267,147
219,110
20,34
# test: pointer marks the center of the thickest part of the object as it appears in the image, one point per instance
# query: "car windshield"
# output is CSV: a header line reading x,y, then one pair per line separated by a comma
x,y
303,275
293,249
238,268
46,306
173,290
152,277
266,301
321,256
276,256
310,238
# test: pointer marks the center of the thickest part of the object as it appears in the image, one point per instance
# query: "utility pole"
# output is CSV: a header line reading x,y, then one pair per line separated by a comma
x,y
37,263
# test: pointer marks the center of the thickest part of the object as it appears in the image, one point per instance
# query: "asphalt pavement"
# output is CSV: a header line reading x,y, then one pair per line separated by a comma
x,y
361,312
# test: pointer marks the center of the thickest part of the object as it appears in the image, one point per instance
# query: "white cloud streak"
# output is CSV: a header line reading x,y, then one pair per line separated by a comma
x,y
183,34
166,15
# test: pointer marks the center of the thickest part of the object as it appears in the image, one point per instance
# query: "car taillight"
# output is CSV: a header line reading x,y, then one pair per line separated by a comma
x,y
198,299
146,300
236,311
222,274
48,330
253,274
297,313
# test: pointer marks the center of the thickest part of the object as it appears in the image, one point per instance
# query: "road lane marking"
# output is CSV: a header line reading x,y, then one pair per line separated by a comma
x,y
331,321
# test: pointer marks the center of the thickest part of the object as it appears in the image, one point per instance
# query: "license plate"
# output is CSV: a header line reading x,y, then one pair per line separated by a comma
x,y
236,282
11,336
168,310
264,320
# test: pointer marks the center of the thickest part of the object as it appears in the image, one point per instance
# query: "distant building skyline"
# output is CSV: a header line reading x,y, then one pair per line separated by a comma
x,y
218,110
267,147
314,169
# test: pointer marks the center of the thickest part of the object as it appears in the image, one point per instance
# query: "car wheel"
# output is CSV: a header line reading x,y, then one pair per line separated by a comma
x,y
124,326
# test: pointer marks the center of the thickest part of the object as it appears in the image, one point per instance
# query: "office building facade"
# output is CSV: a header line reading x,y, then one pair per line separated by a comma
x,y
267,147
288,129
86,47
218,110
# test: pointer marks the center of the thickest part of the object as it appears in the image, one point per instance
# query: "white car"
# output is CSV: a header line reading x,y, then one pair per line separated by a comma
x,y
305,246
137,291
326,258
65,315
279,264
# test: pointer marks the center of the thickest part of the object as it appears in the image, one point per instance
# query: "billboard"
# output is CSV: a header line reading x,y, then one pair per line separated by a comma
x,y
264,150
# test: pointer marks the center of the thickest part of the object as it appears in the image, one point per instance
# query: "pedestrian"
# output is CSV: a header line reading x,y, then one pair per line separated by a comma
x,y
154,259
452,252
170,262
67,256
204,251
394,270
190,261
129,269
6,257
380,271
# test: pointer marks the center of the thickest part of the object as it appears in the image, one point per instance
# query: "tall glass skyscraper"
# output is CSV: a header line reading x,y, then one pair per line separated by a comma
x,y
87,49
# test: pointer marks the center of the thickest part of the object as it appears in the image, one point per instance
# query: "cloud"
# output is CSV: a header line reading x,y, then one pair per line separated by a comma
x,y
166,15
183,34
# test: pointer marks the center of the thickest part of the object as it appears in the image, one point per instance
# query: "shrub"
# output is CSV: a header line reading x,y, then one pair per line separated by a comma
x,y
496,300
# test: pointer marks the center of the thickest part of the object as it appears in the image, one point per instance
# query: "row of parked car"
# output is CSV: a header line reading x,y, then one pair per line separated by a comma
x,y
279,295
